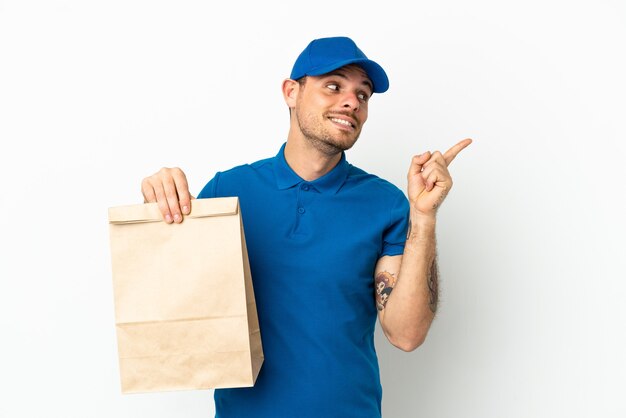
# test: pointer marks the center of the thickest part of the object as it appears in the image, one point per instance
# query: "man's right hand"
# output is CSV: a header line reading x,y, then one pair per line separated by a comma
x,y
169,189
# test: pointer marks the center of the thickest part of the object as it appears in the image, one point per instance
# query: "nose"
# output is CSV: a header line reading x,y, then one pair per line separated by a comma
x,y
351,101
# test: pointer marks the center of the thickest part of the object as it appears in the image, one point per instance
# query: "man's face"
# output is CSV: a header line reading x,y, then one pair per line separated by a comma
x,y
331,109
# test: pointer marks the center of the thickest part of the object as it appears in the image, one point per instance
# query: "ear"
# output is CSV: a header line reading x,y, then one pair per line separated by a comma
x,y
290,92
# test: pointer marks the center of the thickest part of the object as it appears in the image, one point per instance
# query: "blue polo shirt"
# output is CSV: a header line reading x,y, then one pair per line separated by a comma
x,y
313,246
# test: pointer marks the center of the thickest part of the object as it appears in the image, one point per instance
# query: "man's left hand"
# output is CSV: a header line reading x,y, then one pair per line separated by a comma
x,y
429,180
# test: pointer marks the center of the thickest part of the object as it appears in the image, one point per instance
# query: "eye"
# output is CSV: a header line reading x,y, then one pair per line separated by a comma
x,y
333,87
363,97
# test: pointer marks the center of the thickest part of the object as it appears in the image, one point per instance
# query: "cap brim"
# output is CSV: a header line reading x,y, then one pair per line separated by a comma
x,y
374,71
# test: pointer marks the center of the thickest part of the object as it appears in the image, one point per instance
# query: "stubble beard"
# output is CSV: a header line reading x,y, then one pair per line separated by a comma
x,y
321,139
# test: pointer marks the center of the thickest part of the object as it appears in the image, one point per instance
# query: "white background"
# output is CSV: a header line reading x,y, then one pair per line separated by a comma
x,y
96,95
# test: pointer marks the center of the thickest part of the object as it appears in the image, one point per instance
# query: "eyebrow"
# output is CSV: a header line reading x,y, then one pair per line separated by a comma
x,y
366,82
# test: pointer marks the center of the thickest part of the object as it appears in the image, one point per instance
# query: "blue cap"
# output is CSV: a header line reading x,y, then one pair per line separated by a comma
x,y
324,55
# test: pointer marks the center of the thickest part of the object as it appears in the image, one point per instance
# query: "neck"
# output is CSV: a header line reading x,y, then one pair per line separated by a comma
x,y
307,161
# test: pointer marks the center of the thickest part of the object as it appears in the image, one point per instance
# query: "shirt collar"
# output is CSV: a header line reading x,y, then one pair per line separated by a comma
x,y
330,182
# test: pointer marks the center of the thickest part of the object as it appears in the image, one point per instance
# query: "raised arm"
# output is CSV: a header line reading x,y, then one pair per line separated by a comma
x,y
168,187
407,286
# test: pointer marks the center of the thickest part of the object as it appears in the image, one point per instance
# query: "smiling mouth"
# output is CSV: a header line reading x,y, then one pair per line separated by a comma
x,y
342,122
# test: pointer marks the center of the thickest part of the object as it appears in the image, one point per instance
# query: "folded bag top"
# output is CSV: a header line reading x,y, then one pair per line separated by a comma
x,y
149,212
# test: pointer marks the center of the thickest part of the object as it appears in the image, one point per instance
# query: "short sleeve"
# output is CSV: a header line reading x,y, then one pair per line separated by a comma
x,y
394,237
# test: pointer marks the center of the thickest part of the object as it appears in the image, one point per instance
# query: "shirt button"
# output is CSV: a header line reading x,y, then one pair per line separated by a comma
x,y
305,187
301,210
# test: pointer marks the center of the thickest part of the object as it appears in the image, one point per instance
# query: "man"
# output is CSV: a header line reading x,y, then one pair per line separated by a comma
x,y
323,237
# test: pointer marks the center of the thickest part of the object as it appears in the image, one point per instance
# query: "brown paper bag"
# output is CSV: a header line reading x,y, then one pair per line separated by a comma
x,y
184,304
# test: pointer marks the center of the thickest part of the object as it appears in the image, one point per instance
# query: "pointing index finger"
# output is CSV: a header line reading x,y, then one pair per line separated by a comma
x,y
454,151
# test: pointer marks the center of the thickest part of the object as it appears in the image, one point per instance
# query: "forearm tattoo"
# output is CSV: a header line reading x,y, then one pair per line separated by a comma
x,y
433,286
384,283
